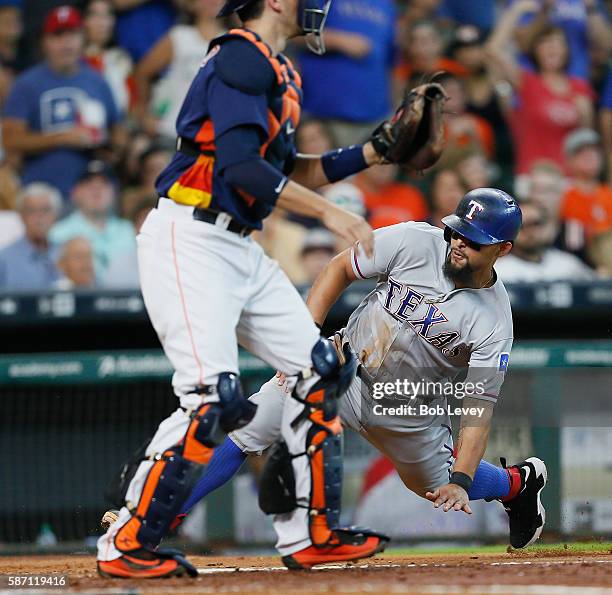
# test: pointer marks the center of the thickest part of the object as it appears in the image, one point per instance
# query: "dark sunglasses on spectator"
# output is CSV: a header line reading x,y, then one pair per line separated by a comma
x,y
472,245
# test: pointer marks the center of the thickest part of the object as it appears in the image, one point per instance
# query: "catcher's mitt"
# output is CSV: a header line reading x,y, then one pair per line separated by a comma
x,y
414,138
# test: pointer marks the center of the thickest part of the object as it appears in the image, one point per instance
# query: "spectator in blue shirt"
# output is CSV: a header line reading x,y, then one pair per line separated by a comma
x,y
351,83
29,264
142,23
584,22
480,13
59,111
93,219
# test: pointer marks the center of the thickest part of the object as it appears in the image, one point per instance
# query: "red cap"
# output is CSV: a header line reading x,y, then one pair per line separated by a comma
x,y
62,18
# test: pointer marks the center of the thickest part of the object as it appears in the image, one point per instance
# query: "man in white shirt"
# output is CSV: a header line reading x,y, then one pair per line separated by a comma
x,y
534,259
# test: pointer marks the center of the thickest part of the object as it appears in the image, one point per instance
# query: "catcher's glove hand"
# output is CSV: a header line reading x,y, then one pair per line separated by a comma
x,y
414,138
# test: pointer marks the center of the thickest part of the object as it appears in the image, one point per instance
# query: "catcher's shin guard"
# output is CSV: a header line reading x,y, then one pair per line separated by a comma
x,y
324,437
168,482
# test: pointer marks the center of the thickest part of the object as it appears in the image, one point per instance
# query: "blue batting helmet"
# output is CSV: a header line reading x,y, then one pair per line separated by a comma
x,y
485,216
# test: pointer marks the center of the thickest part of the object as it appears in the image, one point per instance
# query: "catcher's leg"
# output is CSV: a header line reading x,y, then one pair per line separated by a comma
x,y
276,326
310,533
259,434
162,483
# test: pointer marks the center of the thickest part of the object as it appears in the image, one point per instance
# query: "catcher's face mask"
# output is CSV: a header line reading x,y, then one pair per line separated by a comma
x,y
312,15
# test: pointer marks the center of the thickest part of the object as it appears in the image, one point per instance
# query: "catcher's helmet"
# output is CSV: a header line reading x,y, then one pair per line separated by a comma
x,y
311,16
232,6
485,216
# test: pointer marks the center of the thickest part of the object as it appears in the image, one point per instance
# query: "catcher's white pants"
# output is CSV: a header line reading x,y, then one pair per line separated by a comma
x,y
205,288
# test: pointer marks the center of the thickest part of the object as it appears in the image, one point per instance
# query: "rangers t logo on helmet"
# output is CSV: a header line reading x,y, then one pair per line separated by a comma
x,y
500,218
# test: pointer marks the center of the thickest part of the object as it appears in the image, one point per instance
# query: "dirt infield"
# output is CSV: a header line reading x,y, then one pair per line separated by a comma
x,y
540,573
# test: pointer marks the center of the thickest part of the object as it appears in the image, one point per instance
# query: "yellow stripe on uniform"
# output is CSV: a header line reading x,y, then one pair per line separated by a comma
x,y
189,196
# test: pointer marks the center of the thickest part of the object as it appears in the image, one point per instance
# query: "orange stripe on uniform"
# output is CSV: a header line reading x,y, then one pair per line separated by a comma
x,y
206,136
184,306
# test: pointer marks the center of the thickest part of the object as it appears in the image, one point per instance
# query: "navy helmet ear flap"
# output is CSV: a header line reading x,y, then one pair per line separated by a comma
x,y
447,234
232,6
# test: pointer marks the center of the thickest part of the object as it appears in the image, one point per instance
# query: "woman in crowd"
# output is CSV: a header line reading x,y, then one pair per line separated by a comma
x,y
180,53
112,62
548,103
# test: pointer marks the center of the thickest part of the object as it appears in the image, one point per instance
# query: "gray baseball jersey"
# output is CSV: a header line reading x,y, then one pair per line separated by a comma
x,y
415,325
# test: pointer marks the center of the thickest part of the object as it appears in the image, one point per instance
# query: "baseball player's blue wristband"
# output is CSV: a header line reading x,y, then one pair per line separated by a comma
x,y
341,163
461,479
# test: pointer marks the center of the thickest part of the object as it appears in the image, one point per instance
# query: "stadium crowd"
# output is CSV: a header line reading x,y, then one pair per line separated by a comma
x,y
89,92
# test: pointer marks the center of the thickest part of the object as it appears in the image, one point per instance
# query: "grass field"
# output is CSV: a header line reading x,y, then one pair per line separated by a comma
x,y
558,548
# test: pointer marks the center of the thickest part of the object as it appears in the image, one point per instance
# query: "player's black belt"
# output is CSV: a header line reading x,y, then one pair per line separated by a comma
x,y
191,148
218,218
221,219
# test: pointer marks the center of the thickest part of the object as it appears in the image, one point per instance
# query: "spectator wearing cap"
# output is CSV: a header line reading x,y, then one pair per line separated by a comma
x,y
586,207
59,111
318,248
93,219
75,262
533,259
360,37
29,264
549,102
388,201
583,22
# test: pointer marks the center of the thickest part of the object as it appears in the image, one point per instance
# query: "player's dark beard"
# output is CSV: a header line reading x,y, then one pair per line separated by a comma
x,y
455,274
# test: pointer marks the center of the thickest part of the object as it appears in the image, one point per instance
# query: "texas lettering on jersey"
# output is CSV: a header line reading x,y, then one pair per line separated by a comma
x,y
401,299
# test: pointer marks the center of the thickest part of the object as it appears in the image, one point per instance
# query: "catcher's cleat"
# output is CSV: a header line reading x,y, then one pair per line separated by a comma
x,y
525,510
350,545
142,563
108,518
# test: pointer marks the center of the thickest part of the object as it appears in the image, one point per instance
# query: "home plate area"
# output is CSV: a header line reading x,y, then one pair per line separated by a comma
x,y
515,573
